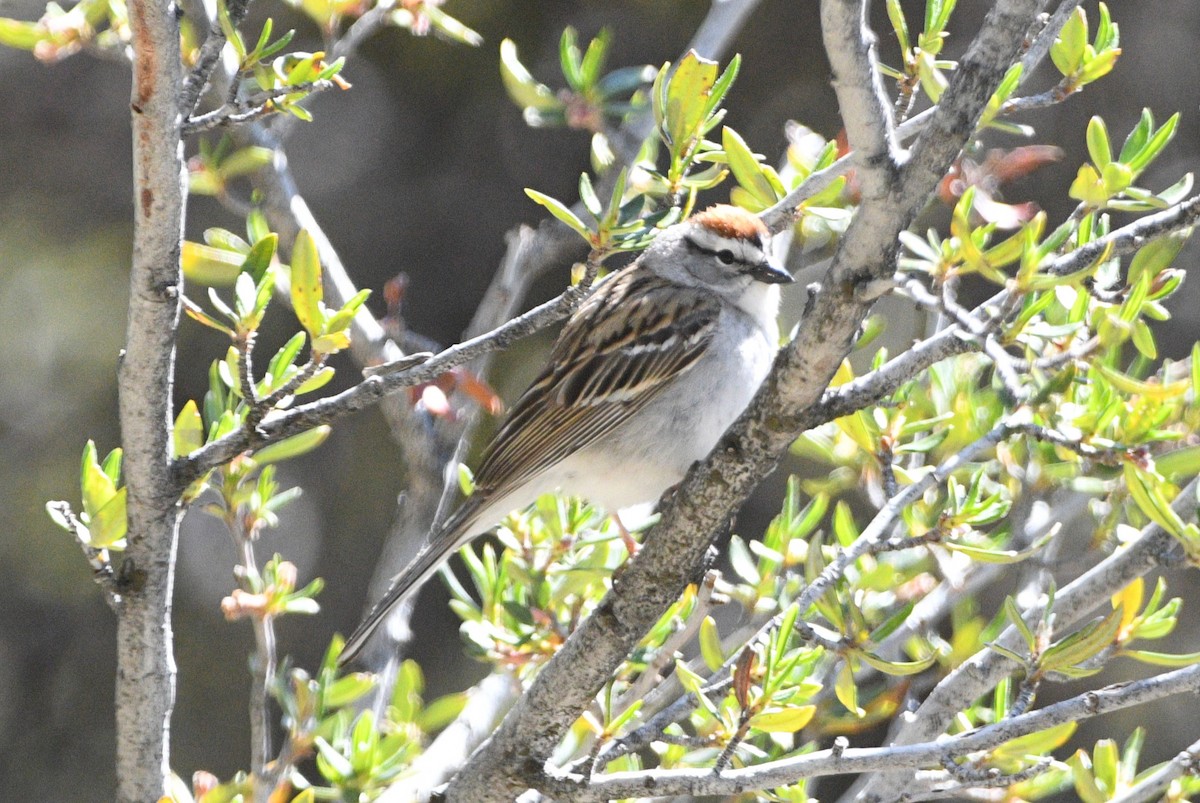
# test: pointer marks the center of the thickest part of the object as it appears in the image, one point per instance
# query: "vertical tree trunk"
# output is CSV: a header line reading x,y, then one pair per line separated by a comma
x,y
145,663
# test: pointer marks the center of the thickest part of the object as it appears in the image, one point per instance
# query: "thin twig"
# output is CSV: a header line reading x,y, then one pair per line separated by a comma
x,y
252,107
98,559
1158,783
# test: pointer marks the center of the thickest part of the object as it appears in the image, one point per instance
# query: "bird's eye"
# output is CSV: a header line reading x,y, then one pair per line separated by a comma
x,y
726,256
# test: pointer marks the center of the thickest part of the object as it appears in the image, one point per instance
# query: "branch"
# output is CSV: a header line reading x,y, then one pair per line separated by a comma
x,y
369,391
249,108
1152,549
979,71
1040,48
866,112
98,559
785,772
720,27
210,55
486,704
145,663
702,504
1155,785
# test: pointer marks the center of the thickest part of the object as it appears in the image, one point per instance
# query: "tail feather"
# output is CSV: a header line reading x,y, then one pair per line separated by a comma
x,y
457,530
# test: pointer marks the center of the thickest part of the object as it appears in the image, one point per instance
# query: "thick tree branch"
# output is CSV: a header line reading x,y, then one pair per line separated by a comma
x,y
145,662
712,490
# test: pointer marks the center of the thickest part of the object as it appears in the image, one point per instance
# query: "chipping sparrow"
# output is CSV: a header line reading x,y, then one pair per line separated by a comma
x,y
644,379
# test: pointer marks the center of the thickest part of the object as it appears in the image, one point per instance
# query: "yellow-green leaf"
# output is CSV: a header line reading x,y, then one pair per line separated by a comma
x,y
294,446
846,691
97,487
188,434
210,266
687,97
710,644
783,720
109,525
319,380
307,288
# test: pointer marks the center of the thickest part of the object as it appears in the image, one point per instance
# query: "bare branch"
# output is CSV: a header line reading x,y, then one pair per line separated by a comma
x,y
249,108
210,55
369,391
872,759
866,111
1152,549
98,559
145,662
486,704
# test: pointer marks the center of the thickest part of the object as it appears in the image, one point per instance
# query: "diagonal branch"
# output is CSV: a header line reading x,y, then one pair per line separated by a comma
x,y
1154,548
515,756
834,761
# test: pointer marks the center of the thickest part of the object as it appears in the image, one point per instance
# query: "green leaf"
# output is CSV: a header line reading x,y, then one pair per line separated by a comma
x,y
21,34
294,446
746,167
710,644
1163,658
1154,145
307,288
1018,621
1068,49
441,712
188,433
899,24
285,358
338,764
521,86
341,320
1097,142
688,93
109,525
593,58
347,689
210,266
787,719
97,487
1084,644
562,212
1156,256
1148,496
245,161
896,668
587,194
260,256
319,380
1179,465
845,690
569,59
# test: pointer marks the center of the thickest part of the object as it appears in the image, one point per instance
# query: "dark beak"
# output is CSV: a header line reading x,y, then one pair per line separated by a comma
x,y
768,272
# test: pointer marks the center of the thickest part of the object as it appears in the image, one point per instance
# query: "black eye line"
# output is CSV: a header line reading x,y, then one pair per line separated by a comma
x,y
720,255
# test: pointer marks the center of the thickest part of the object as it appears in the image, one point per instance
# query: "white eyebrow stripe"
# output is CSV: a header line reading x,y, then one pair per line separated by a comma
x,y
744,251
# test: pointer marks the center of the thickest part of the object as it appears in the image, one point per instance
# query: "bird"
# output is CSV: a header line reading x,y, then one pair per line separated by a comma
x,y
644,378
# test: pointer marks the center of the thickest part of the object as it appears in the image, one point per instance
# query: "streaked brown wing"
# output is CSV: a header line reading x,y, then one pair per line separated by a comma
x,y
616,353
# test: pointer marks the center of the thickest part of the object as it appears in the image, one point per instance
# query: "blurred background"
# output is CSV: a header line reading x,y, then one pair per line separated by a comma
x,y
419,169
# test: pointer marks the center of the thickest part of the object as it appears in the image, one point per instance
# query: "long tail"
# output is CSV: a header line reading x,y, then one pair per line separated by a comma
x,y
457,530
